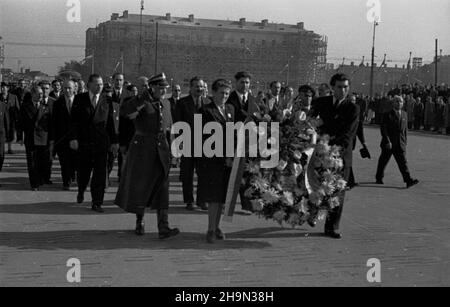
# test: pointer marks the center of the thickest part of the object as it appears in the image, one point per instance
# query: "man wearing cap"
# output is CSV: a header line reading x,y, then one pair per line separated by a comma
x,y
92,135
145,177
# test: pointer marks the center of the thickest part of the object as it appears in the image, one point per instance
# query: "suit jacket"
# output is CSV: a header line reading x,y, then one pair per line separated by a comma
x,y
185,112
93,127
36,123
243,111
274,109
341,124
61,123
53,95
4,123
120,98
394,130
210,113
126,125
173,108
13,109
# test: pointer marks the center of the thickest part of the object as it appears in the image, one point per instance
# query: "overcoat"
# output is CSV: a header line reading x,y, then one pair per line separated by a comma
x,y
144,180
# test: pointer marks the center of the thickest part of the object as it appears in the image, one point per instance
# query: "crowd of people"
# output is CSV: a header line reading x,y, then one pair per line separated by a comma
x,y
90,126
428,107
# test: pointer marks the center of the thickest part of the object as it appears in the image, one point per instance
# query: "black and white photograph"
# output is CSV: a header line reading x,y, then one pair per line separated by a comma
x,y
224,150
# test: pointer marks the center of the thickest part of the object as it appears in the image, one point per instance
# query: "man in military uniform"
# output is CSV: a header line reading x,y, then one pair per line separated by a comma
x,y
145,181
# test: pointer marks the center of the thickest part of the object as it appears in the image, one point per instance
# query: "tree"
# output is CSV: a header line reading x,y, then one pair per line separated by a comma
x,y
75,67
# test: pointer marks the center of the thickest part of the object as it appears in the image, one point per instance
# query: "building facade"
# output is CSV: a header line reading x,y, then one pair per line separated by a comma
x,y
187,47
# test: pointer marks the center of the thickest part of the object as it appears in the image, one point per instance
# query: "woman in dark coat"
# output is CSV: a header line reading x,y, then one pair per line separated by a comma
x,y
144,182
214,172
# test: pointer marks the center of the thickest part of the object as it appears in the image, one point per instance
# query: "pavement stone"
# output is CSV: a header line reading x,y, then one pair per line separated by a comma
x,y
408,230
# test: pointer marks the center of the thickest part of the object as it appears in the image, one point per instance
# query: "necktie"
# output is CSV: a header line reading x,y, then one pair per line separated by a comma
x,y
222,111
94,101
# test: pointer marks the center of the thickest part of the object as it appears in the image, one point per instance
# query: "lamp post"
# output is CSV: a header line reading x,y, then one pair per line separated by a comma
x,y
2,58
288,69
375,24
140,39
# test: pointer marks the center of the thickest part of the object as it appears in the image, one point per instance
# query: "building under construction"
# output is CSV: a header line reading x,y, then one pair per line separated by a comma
x,y
186,47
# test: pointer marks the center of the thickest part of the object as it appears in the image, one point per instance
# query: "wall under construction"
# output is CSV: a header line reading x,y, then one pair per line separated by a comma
x,y
187,47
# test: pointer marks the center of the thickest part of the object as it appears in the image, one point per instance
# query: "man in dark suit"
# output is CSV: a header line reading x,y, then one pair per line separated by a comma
x,y
57,90
4,127
119,94
47,100
92,135
394,129
242,102
360,136
176,96
61,127
36,124
341,119
185,111
13,109
272,101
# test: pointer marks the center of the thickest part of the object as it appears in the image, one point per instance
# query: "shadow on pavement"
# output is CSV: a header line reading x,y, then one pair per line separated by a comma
x,y
59,208
116,239
378,186
275,233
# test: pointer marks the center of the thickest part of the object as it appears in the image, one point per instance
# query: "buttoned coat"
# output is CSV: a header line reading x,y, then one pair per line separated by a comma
x,y
145,173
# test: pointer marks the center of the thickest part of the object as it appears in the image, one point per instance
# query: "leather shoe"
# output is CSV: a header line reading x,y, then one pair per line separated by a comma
x,y
169,233
66,188
219,234
97,208
412,183
140,228
333,234
210,237
203,207
189,207
379,181
80,198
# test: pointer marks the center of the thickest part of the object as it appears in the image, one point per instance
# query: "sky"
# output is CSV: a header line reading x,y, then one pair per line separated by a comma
x,y
405,26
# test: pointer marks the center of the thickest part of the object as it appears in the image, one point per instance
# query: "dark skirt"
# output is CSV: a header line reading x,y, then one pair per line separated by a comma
x,y
213,177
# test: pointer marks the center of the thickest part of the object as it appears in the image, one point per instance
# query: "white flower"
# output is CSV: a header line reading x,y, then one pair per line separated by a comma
x,y
302,116
282,165
289,198
298,169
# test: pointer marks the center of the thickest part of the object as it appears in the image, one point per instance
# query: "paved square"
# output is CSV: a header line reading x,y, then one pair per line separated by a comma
x,y
407,230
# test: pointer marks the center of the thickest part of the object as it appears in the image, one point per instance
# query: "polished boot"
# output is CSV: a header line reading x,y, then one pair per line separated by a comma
x,y
165,231
140,225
